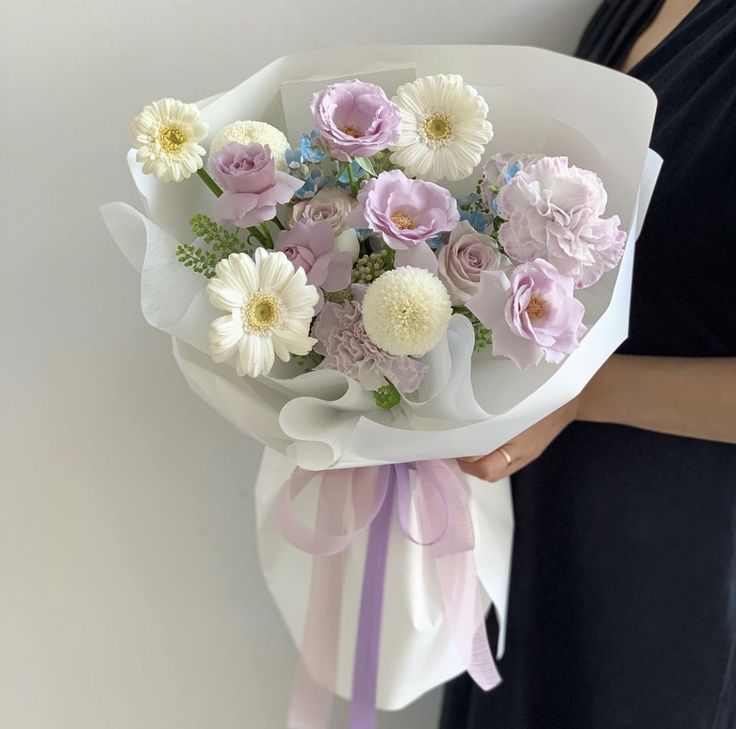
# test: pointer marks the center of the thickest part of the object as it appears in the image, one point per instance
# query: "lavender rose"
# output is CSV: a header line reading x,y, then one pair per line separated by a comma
x,y
342,339
406,213
554,212
311,246
532,314
330,205
252,187
467,254
355,119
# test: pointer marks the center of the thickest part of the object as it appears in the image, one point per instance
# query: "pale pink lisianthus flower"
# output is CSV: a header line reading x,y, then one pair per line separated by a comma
x,y
462,260
406,213
355,119
532,313
252,187
553,211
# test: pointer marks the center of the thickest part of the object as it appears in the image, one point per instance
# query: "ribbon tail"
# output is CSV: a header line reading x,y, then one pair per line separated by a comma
x,y
460,592
311,701
457,574
365,670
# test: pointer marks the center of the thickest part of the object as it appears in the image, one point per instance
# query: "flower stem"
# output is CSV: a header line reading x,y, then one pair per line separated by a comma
x,y
352,180
279,224
267,239
389,258
204,175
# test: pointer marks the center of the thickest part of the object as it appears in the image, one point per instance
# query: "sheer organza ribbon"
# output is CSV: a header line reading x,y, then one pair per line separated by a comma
x,y
433,512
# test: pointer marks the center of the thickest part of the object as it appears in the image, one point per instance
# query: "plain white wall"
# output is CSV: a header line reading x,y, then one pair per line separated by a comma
x,y
130,591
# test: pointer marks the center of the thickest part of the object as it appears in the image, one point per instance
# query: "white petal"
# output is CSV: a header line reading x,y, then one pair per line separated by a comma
x,y
224,296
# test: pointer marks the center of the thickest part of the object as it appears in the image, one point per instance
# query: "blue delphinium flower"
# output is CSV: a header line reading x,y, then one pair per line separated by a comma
x,y
313,183
293,158
512,171
476,218
358,173
468,201
311,152
436,242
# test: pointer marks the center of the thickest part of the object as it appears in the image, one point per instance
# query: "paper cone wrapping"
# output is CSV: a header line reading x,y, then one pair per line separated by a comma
x,y
540,102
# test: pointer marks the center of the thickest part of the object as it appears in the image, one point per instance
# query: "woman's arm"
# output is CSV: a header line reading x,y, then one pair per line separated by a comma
x,y
693,397
688,396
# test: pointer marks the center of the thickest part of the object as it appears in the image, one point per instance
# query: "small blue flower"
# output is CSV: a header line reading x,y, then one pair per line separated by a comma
x,y
311,185
476,218
328,181
494,205
436,242
468,201
293,159
363,233
513,171
311,152
358,173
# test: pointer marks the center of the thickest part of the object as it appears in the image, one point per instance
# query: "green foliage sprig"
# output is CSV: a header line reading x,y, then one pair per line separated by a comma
x,y
220,243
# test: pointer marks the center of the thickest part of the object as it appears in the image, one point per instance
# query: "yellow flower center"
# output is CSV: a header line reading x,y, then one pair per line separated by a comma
x,y
536,308
261,311
352,131
403,221
438,127
171,138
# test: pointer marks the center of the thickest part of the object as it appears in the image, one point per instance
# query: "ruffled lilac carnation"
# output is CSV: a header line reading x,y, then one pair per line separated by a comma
x,y
500,169
355,119
406,213
467,254
311,246
342,339
252,187
553,211
532,313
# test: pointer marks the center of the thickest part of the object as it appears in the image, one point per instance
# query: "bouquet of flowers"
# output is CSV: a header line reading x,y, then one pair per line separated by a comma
x,y
396,284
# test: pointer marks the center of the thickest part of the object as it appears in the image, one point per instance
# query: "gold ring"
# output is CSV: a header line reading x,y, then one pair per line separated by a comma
x,y
506,455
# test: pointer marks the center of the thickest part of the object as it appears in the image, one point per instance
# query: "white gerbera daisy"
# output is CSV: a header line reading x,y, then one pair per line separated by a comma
x,y
248,132
406,311
444,128
270,307
167,133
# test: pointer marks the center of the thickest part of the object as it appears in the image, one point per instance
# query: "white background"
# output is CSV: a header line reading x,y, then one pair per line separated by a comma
x,y
130,595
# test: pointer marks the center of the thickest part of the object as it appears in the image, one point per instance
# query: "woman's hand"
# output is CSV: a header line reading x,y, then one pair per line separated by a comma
x,y
524,448
692,397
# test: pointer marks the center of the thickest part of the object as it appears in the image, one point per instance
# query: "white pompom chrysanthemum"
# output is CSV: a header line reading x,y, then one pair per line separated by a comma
x,y
167,133
249,132
406,311
270,307
444,128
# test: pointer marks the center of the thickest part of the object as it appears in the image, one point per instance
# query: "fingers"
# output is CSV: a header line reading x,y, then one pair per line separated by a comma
x,y
471,459
492,467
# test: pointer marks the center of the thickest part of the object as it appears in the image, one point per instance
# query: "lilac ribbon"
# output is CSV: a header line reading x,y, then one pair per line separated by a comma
x,y
440,497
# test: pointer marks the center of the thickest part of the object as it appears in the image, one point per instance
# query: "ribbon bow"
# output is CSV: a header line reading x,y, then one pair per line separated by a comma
x,y
433,512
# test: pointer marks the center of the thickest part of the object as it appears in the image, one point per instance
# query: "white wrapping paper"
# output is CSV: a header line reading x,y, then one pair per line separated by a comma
x,y
540,102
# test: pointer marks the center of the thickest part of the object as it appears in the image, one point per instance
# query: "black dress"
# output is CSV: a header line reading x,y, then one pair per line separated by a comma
x,y
622,600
